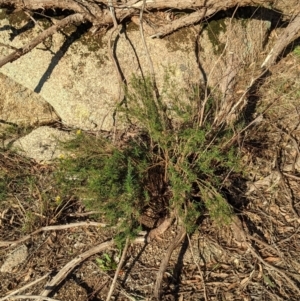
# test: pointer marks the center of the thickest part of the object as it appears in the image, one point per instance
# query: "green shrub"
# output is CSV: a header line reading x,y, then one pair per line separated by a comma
x,y
296,51
174,162
107,179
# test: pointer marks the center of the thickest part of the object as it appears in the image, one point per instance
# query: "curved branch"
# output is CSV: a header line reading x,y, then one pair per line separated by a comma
x,y
164,263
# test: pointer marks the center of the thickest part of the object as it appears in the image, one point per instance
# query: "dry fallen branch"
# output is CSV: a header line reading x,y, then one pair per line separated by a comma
x,y
50,228
98,12
291,176
164,263
185,21
23,288
76,18
64,272
113,284
88,9
32,297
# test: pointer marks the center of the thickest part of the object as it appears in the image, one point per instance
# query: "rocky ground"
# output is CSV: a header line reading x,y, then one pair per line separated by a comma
x,y
256,257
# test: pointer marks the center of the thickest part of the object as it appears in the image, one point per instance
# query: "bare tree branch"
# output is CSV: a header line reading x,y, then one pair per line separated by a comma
x,y
96,12
291,33
76,18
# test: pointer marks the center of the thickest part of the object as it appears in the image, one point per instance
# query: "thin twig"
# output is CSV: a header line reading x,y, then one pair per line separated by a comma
x,y
266,246
50,228
206,96
144,42
8,46
287,188
113,59
80,214
282,273
23,288
198,267
288,238
122,291
33,20
32,297
258,119
22,209
114,282
291,176
271,267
